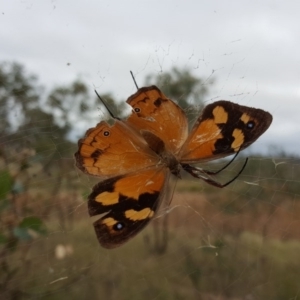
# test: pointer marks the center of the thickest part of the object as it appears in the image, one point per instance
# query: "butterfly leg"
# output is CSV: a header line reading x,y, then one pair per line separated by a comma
x,y
199,173
208,172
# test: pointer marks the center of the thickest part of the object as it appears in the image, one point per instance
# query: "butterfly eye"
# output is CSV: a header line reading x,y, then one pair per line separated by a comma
x,y
118,226
250,125
106,133
137,110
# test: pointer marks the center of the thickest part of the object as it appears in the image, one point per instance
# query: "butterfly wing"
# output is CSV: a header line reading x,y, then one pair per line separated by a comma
x,y
107,151
133,180
154,112
129,203
222,129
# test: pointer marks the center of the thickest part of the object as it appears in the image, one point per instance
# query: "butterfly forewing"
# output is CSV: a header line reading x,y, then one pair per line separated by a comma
x,y
108,151
222,129
154,112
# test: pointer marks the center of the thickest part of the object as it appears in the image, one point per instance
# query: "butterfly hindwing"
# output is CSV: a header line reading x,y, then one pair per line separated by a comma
x,y
222,129
129,203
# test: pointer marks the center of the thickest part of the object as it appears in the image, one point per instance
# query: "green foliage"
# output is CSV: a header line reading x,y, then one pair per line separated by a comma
x,y
6,183
3,238
15,229
19,93
28,228
33,223
64,101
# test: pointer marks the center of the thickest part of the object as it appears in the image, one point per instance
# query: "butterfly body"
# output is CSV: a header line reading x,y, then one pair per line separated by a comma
x,y
135,157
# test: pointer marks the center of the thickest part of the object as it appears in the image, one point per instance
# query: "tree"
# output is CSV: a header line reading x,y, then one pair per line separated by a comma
x,y
18,95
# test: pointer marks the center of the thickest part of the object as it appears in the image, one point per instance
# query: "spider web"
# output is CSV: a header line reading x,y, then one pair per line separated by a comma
x,y
240,242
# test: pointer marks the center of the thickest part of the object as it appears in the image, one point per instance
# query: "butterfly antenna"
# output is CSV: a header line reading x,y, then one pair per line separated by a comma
x,y
134,80
106,106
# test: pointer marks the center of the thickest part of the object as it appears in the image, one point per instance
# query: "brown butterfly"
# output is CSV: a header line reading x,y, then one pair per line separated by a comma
x,y
135,157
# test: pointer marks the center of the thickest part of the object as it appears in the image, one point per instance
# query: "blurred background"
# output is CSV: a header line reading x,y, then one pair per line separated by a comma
x,y
240,242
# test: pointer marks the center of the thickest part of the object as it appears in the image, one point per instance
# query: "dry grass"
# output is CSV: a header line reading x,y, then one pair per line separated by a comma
x,y
222,245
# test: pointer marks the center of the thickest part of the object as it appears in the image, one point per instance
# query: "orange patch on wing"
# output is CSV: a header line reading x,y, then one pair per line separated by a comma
x,y
220,115
108,198
238,139
143,214
109,221
245,118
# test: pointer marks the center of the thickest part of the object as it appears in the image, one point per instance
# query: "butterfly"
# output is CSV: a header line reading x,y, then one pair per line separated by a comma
x,y
135,157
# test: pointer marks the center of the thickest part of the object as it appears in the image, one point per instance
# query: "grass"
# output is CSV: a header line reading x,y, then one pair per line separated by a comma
x,y
242,242
206,259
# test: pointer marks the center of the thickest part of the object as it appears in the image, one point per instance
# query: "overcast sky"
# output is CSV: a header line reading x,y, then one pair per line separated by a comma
x,y
251,47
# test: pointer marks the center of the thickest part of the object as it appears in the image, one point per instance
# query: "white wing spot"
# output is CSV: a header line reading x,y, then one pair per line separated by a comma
x,y
149,182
